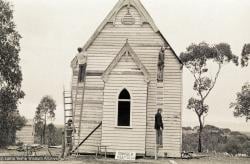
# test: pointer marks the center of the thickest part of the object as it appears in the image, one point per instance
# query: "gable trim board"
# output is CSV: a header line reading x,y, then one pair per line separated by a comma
x,y
126,49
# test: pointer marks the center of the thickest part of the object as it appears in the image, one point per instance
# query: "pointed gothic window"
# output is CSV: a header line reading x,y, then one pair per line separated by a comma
x,y
124,108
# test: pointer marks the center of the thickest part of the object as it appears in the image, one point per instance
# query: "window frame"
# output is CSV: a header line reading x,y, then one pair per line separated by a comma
x,y
117,107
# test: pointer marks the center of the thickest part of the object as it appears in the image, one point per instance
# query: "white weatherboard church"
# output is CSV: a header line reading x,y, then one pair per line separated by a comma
x,y
121,76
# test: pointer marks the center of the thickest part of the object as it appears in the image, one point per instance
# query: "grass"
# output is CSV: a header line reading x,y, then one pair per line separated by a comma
x,y
215,160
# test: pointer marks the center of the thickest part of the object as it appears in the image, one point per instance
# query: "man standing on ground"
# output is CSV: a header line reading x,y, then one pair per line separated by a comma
x,y
69,136
158,127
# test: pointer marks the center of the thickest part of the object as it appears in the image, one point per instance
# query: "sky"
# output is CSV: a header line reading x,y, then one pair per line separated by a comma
x,y
52,30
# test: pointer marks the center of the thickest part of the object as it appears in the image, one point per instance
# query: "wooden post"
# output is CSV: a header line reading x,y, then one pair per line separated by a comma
x,y
156,147
97,151
27,151
105,152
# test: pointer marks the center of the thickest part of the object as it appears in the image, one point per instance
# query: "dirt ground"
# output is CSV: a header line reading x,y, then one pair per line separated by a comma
x,y
207,160
211,159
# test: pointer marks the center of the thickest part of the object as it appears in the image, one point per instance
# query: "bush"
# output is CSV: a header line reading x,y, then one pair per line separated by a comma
x,y
53,135
246,148
233,147
216,139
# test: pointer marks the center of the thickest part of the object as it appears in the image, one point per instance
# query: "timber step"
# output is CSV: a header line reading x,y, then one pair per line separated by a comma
x,y
68,97
68,109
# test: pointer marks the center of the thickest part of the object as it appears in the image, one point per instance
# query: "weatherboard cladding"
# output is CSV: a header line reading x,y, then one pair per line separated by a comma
x,y
100,95
133,138
26,134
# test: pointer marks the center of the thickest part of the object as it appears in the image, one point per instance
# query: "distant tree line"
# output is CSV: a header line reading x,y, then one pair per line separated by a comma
x,y
53,135
216,139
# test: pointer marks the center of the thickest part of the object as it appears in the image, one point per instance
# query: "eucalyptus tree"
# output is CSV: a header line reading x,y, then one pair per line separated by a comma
x,y
10,76
241,105
202,60
45,110
245,55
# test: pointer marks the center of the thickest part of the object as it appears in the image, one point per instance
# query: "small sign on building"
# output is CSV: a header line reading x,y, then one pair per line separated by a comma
x,y
126,156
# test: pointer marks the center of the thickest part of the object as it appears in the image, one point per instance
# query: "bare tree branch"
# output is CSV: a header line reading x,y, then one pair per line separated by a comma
x,y
214,82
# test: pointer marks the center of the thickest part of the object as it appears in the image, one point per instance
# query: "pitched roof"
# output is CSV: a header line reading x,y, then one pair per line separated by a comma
x,y
126,49
110,18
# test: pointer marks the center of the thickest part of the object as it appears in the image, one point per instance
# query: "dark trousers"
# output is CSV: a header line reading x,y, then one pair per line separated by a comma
x,y
158,136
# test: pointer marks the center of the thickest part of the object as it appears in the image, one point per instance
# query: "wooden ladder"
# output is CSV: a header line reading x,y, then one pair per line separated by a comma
x,y
160,95
159,104
80,86
68,113
81,108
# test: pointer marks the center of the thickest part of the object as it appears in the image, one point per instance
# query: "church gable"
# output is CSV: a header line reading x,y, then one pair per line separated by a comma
x,y
126,62
125,12
127,20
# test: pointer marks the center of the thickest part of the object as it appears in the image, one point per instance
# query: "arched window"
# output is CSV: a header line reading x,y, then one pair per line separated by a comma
x,y
124,104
